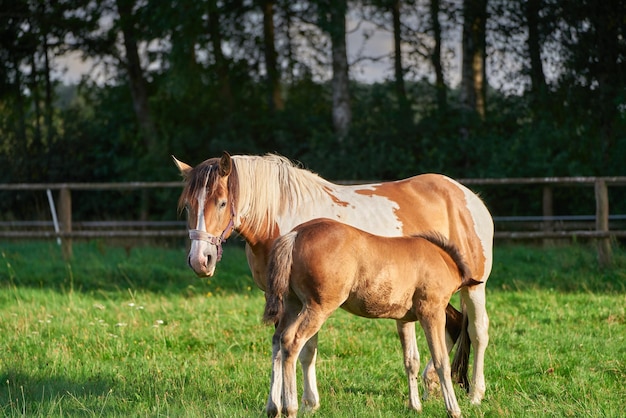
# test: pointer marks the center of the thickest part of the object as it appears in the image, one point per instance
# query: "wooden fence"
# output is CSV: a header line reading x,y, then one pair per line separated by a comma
x,y
544,227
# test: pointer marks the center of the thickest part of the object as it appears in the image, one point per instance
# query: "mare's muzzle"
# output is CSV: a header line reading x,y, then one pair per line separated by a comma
x,y
197,235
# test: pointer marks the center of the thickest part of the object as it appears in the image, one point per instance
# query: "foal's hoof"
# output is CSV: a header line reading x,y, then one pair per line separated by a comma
x,y
455,414
309,406
271,410
415,406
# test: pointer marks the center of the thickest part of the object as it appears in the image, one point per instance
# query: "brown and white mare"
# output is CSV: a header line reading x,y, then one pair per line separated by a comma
x,y
323,265
264,197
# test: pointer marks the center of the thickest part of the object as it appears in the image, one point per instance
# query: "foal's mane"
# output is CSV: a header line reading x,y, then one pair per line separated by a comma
x,y
451,249
270,186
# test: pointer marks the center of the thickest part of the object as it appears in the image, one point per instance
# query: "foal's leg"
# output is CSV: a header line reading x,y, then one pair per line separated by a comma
x,y
293,339
434,329
478,329
406,332
429,376
310,396
453,329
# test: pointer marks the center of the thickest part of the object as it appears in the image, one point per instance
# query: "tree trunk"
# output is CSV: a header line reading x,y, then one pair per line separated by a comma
x,y
397,58
275,97
48,105
342,112
138,85
473,74
291,60
19,100
537,77
34,87
221,65
139,91
440,84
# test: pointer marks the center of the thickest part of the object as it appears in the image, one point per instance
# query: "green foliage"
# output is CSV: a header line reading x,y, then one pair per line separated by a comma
x,y
132,332
204,101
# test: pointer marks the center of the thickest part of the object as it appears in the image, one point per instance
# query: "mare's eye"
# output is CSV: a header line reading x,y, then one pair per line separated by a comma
x,y
222,205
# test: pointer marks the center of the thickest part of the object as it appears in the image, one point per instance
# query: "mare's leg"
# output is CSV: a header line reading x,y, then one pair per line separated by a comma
x,y
434,329
274,401
296,334
406,332
478,329
308,355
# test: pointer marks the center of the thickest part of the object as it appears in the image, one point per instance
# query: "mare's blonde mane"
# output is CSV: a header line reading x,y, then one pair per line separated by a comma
x,y
270,186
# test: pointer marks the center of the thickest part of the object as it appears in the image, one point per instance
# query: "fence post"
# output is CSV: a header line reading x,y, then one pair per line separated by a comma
x,y
65,215
602,223
548,211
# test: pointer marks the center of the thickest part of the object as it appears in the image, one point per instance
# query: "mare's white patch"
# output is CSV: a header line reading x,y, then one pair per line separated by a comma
x,y
483,225
369,212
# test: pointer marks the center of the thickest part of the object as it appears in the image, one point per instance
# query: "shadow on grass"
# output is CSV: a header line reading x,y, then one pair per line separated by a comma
x,y
23,395
97,267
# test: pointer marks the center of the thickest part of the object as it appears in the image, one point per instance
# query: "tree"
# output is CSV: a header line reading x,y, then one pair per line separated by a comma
x,y
271,57
594,47
136,78
332,19
220,61
397,57
532,9
473,71
440,84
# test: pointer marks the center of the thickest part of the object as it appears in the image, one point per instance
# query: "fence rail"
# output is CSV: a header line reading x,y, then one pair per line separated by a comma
x,y
546,227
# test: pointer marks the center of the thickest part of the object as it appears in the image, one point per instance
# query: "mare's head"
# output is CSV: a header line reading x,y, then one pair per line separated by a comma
x,y
209,197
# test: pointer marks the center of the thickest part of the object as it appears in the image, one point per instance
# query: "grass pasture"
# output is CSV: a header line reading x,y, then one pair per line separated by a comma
x,y
117,333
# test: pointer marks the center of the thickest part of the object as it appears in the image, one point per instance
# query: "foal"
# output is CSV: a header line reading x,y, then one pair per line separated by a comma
x,y
323,265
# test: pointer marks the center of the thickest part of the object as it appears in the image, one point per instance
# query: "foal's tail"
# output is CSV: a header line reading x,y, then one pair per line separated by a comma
x,y
278,273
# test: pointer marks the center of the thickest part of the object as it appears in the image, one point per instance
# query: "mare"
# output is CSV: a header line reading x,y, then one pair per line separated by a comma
x,y
264,197
323,265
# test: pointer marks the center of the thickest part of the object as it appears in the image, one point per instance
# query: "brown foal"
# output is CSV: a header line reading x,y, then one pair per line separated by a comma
x,y
323,265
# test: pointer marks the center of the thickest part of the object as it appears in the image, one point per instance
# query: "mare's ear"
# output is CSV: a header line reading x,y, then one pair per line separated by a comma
x,y
182,167
226,164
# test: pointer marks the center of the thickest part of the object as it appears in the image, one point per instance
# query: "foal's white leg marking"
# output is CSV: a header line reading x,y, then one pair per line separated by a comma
x,y
274,401
406,332
310,396
478,328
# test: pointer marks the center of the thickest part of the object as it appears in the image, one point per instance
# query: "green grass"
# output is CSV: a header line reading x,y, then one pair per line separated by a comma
x,y
117,333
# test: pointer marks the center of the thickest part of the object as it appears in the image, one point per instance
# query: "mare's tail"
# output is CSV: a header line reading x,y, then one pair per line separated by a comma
x,y
278,273
460,363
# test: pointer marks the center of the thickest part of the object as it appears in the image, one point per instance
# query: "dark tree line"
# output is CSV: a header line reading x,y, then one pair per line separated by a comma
x,y
492,88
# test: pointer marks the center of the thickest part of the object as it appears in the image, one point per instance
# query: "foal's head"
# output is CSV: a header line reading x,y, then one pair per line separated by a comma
x,y
209,197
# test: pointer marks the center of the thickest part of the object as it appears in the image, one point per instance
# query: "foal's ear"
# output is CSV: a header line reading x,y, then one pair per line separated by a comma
x,y
226,164
182,167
